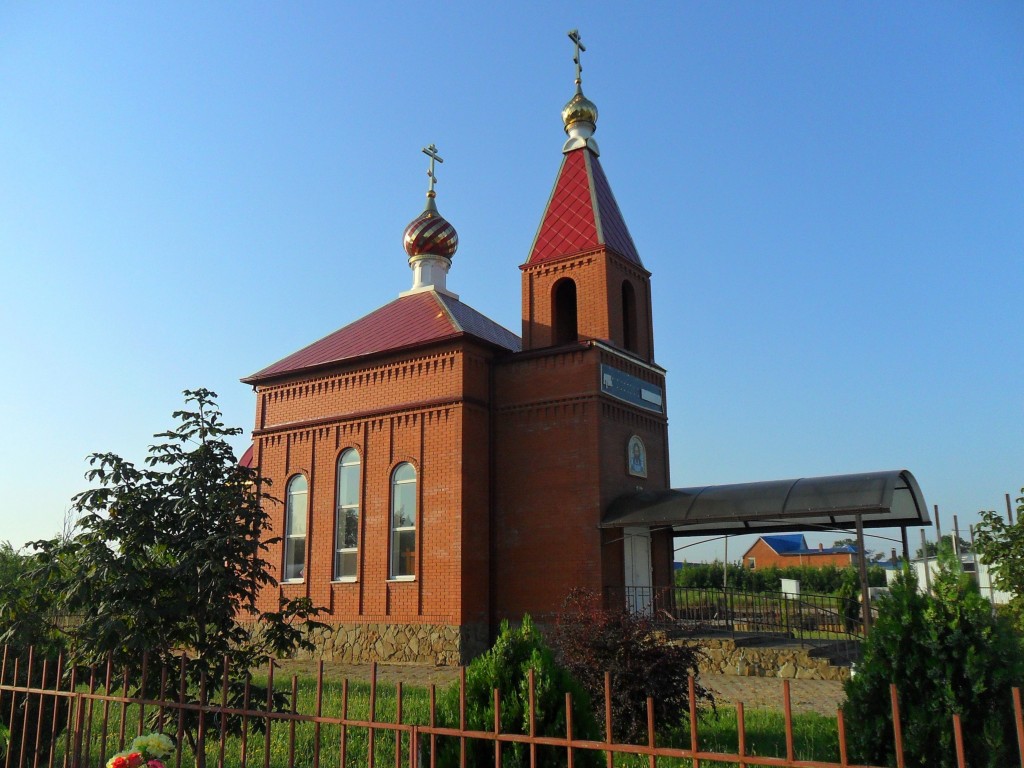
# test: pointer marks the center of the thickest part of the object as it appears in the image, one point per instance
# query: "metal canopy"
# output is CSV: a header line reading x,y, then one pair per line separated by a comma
x,y
881,499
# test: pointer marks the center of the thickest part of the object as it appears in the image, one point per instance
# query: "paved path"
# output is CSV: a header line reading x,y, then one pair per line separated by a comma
x,y
822,696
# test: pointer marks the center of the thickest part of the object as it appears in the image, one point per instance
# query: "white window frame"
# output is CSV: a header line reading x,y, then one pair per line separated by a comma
x,y
292,539
348,458
407,524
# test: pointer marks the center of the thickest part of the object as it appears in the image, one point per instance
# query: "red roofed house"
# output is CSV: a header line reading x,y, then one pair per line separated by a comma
x,y
438,474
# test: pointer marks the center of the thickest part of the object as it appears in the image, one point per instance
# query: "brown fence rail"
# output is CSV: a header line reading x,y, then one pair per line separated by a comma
x,y
75,720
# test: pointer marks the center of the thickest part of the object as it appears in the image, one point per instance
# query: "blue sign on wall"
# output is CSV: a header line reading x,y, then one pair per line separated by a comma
x,y
630,389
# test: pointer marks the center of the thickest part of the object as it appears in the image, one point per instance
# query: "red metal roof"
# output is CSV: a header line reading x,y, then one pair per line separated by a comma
x,y
419,318
582,213
248,456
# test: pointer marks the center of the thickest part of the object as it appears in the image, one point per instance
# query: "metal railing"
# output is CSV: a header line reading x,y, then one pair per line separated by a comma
x,y
99,714
820,621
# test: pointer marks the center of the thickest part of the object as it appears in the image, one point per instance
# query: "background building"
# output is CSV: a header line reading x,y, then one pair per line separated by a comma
x,y
788,550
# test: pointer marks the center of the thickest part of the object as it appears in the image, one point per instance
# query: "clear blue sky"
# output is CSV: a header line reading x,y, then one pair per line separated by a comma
x,y
830,197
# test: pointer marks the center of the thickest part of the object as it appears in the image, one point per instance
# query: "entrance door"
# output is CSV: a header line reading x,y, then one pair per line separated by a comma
x,y
639,591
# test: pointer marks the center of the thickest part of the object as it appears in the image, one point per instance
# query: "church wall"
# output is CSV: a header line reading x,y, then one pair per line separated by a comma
x,y
476,501
391,383
307,425
620,270
547,497
598,276
592,314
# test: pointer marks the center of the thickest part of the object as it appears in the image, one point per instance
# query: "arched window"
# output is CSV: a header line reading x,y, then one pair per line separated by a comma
x,y
564,301
346,517
403,522
628,316
296,505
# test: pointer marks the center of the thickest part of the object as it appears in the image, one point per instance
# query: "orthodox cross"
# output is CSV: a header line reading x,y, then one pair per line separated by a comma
x,y
431,152
574,35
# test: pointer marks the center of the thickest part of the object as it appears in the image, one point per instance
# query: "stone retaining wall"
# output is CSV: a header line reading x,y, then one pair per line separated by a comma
x,y
437,644
724,657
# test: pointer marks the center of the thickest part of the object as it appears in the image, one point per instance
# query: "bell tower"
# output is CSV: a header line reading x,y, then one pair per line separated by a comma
x,y
580,413
583,279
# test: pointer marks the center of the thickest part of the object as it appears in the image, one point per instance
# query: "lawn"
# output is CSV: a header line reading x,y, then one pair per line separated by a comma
x,y
292,743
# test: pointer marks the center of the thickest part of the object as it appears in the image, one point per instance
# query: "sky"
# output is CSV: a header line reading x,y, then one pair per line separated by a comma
x,y
830,198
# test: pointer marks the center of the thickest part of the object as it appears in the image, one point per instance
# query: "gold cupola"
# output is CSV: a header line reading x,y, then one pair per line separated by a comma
x,y
580,109
580,115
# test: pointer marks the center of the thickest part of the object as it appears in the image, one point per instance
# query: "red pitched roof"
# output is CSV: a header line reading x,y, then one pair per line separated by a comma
x,y
582,213
419,318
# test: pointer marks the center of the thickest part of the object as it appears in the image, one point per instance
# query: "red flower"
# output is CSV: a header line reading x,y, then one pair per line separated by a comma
x,y
135,759
154,763
119,762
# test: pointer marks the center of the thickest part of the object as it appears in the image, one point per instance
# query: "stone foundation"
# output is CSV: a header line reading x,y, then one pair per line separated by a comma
x,y
437,644
724,657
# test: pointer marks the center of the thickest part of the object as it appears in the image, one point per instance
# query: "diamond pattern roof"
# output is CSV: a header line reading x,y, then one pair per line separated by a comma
x,y
419,318
613,227
582,213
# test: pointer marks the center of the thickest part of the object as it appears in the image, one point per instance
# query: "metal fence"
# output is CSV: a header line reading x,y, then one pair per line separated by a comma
x,y
90,716
822,621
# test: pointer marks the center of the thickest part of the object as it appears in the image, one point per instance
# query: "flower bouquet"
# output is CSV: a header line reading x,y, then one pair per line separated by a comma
x,y
148,750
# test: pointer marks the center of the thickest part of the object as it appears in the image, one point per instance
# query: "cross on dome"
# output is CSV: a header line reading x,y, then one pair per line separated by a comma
x,y
580,115
574,35
431,152
430,240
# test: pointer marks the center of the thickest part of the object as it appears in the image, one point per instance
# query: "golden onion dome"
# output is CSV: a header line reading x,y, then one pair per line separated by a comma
x,y
430,234
580,109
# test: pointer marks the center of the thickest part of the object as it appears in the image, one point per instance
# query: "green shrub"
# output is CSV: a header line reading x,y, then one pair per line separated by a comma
x,y
590,641
947,655
506,667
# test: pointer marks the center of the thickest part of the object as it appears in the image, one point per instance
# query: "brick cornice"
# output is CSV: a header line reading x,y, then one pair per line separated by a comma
x,y
418,407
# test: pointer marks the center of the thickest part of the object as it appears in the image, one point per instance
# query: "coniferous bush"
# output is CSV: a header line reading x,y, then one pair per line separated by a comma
x,y
506,667
947,655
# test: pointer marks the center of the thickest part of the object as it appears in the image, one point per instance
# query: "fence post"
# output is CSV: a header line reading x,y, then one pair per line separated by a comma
x,y
79,718
1018,717
800,620
730,612
958,734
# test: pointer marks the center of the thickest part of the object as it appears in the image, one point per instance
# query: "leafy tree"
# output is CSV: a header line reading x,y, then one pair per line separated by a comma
x,y
816,580
947,655
1001,545
591,640
506,667
26,622
168,559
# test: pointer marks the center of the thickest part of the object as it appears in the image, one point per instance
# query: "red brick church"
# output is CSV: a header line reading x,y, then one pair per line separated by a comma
x,y
437,472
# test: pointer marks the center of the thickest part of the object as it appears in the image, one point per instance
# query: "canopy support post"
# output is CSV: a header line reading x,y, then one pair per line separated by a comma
x,y
865,595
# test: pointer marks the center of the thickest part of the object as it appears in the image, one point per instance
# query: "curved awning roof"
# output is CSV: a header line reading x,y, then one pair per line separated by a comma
x,y
882,500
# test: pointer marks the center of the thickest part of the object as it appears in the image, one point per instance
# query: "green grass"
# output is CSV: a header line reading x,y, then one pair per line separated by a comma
x,y
815,736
